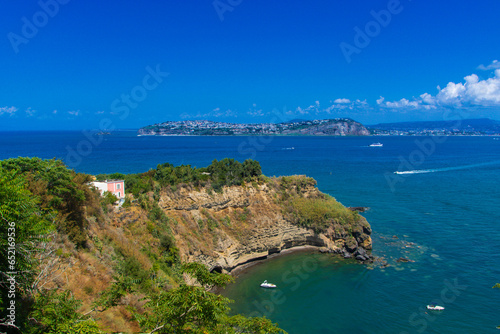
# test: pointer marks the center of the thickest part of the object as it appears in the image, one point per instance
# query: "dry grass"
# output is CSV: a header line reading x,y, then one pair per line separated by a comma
x,y
118,320
127,230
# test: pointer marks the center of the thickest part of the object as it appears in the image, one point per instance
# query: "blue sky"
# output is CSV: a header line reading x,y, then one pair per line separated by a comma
x,y
72,64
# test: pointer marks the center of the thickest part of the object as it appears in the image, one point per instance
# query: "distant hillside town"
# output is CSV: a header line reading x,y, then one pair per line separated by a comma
x,y
459,127
325,127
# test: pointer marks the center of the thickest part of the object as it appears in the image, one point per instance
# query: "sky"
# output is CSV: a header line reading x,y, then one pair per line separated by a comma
x,y
74,65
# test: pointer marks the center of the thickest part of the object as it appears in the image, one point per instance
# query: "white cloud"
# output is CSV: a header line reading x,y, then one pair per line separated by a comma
x,y
229,113
74,112
342,101
30,112
54,112
474,92
428,99
301,111
215,113
425,101
255,113
8,110
493,66
403,103
450,95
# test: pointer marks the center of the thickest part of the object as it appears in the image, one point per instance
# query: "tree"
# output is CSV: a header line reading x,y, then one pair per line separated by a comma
x,y
55,313
109,198
34,194
59,189
22,227
193,309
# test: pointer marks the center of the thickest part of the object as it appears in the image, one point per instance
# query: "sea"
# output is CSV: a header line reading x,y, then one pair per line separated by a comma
x,y
440,211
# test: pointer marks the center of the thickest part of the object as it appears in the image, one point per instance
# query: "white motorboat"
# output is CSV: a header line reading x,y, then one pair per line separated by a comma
x,y
435,307
376,145
265,284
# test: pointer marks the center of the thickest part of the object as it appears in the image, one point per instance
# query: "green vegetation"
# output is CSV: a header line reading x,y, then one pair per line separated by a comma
x,y
218,174
55,313
109,199
48,203
318,212
23,226
296,181
59,190
38,197
193,309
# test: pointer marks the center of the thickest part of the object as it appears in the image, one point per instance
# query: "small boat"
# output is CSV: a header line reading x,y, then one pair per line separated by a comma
x,y
435,307
267,285
376,145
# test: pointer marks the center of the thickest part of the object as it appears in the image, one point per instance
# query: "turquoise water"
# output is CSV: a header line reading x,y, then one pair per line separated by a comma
x,y
445,219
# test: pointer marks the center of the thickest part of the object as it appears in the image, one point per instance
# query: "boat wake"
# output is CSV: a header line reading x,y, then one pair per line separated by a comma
x,y
416,171
446,169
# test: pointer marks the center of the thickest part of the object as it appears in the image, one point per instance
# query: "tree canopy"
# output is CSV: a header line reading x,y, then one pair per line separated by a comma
x,y
60,190
226,172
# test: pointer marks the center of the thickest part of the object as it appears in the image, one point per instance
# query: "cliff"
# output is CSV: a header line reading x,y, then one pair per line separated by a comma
x,y
335,127
245,223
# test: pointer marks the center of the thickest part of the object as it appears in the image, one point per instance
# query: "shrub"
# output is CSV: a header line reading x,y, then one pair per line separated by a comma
x,y
212,224
108,199
319,213
61,190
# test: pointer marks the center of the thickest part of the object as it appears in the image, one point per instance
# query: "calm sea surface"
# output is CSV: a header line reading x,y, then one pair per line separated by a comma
x,y
444,214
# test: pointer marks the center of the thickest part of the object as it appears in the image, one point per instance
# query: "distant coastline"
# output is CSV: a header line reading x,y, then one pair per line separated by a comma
x,y
325,127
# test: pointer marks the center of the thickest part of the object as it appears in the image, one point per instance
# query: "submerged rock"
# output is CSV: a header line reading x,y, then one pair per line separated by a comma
x,y
359,208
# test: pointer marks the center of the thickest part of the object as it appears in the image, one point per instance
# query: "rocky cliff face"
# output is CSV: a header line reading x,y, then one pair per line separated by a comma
x,y
246,223
333,128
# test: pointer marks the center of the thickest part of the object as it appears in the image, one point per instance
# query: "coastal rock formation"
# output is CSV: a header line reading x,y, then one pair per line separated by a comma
x,y
246,223
324,127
